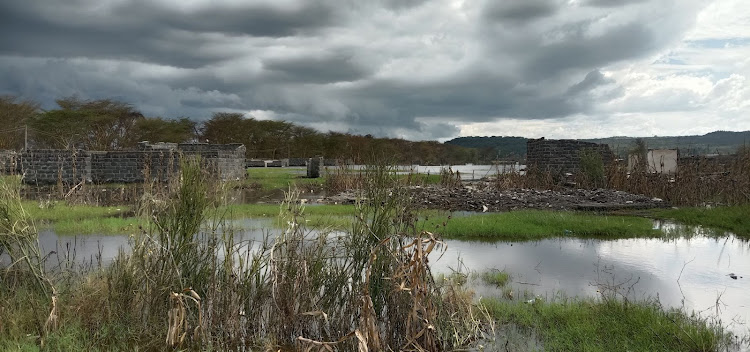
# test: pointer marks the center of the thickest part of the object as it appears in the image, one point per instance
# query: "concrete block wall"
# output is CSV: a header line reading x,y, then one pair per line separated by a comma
x,y
48,166
133,166
125,166
561,155
10,162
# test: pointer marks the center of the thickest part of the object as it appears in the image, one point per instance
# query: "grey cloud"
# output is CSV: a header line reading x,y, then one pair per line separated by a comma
x,y
149,32
328,63
592,80
620,43
337,67
519,11
612,3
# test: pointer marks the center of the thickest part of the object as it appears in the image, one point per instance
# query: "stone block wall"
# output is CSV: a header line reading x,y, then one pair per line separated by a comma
x,y
10,162
227,161
561,155
49,166
133,166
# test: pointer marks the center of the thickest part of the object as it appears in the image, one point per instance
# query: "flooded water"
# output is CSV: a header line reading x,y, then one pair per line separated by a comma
x,y
691,271
694,273
469,172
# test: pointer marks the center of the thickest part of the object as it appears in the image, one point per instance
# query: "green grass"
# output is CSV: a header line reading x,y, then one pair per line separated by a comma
x,y
420,179
735,219
495,277
269,178
100,226
529,225
592,325
237,211
60,211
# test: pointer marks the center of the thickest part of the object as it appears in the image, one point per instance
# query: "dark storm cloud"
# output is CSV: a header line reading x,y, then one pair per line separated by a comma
x,y
612,3
327,68
592,80
519,11
415,68
146,30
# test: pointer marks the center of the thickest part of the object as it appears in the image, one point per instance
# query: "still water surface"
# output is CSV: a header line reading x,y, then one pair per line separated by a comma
x,y
641,268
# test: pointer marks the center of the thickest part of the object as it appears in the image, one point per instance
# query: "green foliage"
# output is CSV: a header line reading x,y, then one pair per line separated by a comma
x,y
609,325
157,129
492,147
530,225
94,125
592,167
14,114
495,277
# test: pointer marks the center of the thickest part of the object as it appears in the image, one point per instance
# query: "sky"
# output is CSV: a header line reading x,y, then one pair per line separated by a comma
x,y
414,69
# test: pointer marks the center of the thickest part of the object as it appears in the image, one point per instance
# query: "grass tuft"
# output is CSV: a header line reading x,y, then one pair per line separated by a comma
x,y
609,325
495,277
734,219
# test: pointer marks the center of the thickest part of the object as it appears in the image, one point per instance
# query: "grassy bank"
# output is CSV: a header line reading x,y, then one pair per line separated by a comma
x,y
59,211
735,219
529,225
67,219
270,178
608,325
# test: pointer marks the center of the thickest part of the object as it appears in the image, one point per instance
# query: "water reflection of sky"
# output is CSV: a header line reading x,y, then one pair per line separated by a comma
x,y
571,266
576,267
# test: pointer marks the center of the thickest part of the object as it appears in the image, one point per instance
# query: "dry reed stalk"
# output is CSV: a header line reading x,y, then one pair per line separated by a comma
x,y
415,278
450,179
177,326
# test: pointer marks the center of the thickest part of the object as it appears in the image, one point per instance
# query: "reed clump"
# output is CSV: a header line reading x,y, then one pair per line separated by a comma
x,y
189,282
697,181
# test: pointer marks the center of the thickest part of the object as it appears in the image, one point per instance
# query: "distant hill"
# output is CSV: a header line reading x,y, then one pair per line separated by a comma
x,y
719,142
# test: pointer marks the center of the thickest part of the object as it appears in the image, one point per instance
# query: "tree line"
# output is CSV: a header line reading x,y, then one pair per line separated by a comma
x,y
108,124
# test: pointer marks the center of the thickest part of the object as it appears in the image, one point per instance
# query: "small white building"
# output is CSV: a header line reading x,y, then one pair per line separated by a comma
x,y
662,161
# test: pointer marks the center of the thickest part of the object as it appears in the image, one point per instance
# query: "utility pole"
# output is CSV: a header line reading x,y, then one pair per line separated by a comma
x,y
25,137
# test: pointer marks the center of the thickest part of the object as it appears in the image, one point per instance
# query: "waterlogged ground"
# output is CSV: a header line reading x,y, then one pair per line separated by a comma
x,y
693,270
638,268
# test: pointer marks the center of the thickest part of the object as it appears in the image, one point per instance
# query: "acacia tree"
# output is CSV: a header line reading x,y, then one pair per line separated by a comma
x,y
96,125
156,129
14,114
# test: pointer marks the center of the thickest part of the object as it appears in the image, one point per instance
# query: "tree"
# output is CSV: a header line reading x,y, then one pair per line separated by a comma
x,y
156,129
95,125
14,114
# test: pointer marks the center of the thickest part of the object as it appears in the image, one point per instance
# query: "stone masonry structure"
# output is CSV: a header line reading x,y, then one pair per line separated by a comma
x,y
150,161
562,155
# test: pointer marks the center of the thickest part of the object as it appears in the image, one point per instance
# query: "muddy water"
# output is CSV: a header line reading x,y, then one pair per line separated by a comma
x,y
691,271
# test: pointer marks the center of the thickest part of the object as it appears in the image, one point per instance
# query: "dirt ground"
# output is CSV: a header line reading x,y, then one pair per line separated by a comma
x,y
479,196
